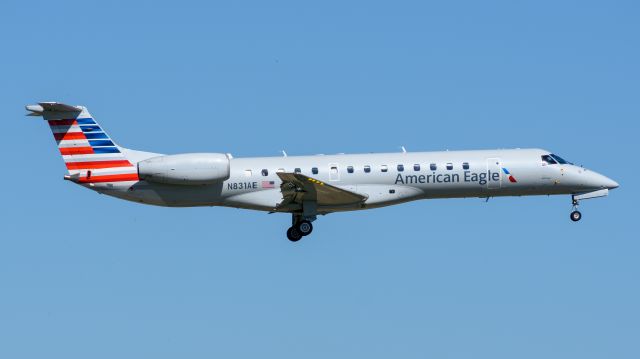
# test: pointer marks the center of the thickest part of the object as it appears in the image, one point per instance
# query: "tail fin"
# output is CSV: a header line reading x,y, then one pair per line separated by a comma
x,y
87,150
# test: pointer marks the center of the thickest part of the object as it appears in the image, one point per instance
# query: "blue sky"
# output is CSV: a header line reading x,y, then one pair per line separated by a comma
x,y
84,275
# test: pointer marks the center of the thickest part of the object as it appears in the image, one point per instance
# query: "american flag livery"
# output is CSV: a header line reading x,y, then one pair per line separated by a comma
x,y
268,184
89,153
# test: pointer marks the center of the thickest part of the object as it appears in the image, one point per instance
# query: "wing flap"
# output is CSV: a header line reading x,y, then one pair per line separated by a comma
x,y
297,188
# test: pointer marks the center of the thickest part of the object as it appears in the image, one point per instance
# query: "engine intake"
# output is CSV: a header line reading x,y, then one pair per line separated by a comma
x,y
185,169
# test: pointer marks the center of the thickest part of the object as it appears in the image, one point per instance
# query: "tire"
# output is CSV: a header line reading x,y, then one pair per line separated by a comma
x,y
293,234
575,216
305,228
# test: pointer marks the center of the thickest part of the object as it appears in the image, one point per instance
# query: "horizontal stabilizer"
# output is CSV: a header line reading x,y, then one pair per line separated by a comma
x,y
43,108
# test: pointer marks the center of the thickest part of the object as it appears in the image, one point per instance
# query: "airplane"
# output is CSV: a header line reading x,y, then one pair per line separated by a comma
x,y
307,186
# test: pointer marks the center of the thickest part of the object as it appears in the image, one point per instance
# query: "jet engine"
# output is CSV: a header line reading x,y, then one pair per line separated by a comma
x,y
185,169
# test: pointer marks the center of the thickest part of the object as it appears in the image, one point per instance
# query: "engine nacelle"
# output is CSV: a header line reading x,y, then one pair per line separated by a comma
x,y
185,169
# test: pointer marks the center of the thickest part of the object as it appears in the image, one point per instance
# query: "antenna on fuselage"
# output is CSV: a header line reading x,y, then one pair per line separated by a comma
x,y
404,150
284,154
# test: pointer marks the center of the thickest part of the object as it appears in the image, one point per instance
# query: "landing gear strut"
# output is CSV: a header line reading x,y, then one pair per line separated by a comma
x,y
575,214
301,226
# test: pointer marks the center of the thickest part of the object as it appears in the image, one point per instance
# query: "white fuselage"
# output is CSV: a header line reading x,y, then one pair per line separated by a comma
x,y
305,186
385,179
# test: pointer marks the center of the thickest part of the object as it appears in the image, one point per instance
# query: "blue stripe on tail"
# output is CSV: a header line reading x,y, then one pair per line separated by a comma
x,y
101,143
85,121
105,150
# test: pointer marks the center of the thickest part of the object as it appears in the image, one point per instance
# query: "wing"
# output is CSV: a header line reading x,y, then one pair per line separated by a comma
x,y
297,188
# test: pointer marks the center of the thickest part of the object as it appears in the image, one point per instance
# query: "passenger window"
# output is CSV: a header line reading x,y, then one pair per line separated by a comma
x,y
465,165
247,173
350,169
265,172
416,167
546,159
433,167
400,168
333,172
297,170
367,169
384,168
314,170
449,166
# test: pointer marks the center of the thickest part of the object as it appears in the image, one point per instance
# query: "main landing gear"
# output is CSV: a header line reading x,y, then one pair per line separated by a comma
x,y
300,227
575,214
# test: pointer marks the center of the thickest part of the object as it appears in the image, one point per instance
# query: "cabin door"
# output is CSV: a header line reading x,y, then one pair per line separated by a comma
x,y
494,173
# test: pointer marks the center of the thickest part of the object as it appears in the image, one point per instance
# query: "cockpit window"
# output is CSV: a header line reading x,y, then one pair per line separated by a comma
x,y
560,160
549,160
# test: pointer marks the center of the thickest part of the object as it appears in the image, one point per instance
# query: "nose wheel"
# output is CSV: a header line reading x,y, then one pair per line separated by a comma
x,y
575,214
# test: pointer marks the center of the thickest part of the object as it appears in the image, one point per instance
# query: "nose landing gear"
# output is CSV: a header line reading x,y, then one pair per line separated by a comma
x,y
575,214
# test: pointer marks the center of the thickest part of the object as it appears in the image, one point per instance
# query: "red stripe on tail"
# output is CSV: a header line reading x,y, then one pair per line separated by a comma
x,y
76,151
109,178
62,122
69,136
97,164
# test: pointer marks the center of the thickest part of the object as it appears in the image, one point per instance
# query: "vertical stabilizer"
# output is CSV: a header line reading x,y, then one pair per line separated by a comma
x,y
87,150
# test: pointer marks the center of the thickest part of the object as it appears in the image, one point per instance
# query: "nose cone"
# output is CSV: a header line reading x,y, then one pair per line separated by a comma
x,y
610,184
584,180
596,180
